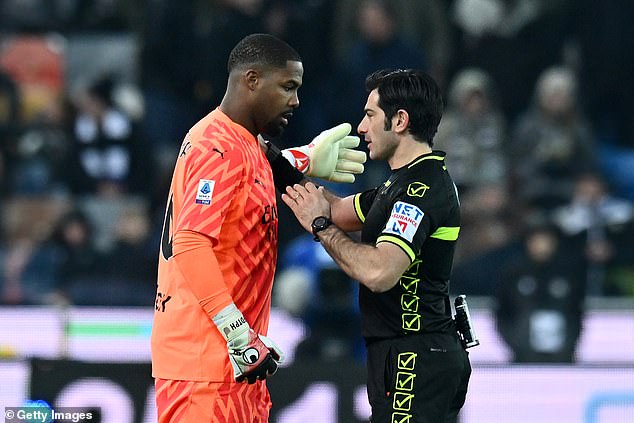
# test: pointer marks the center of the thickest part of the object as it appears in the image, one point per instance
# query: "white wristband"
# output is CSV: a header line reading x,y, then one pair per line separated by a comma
x,y
231,323
289,156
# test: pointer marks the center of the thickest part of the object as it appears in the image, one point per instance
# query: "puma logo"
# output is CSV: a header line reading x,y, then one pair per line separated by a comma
x,y
222,153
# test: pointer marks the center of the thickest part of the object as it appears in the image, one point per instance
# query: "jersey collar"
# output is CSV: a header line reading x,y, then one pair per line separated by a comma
x,y
434,155
221,116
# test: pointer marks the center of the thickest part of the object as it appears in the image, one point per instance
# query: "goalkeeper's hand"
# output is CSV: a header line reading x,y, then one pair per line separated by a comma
x,y
253,356
329,156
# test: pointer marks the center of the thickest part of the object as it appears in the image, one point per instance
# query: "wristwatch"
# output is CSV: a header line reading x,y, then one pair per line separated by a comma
x,y
319,224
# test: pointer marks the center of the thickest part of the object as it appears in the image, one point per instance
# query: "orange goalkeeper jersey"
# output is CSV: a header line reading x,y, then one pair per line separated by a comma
x,y
222,187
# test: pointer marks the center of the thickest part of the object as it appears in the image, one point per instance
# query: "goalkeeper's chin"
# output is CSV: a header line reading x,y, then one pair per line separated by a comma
x,y
275,129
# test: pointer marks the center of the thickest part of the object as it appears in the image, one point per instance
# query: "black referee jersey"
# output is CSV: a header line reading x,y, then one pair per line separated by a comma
x,y
417,209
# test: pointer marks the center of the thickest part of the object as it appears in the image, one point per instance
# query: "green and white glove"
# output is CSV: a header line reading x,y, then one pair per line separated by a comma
x,y
329,156
253,356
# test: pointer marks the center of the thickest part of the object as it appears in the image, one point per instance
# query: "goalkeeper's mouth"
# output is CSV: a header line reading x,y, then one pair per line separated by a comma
x,y
286,117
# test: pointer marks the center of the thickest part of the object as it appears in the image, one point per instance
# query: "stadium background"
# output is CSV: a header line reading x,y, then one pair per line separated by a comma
x,y
82,211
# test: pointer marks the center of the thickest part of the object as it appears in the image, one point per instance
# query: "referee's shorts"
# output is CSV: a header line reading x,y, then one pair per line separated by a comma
x,y
420,378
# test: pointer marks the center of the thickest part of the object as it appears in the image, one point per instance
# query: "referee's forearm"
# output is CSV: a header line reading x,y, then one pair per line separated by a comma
x,y
361,262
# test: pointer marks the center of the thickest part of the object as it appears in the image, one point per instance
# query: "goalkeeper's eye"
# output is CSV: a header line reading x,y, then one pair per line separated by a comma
x,y
290,86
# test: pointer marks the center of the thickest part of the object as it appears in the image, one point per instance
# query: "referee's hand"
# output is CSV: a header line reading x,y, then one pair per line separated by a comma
x,y
307,202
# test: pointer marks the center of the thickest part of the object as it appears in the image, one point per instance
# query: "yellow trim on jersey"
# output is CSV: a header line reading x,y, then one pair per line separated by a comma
x,y
357,208
446,233
400,243
426,158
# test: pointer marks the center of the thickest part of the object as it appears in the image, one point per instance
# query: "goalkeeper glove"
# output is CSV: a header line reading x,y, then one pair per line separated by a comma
x,y
329,156
253,356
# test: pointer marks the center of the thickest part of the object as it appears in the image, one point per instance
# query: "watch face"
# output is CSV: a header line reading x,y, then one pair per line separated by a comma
x,y
320,221
319,224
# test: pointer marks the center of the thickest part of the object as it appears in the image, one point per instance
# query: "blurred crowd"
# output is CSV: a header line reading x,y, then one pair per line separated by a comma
x,y
96,96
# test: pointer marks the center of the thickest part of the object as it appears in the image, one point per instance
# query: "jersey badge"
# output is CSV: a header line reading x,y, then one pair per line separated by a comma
x,y
417,189
404,220
205,191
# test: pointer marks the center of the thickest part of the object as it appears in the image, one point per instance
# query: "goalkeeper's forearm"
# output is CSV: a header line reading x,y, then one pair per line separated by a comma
x,y
342,209
284,173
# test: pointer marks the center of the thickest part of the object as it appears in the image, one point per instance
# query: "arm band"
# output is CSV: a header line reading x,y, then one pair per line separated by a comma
x,y
284,173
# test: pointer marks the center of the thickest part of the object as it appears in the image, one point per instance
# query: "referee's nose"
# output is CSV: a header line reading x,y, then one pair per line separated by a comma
x,y
362,129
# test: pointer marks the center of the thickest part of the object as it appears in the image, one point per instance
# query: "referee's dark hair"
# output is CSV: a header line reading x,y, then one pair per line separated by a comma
x,y
261,50
411,90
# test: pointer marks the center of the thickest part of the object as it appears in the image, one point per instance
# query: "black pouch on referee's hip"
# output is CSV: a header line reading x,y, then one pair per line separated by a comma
x,y
464,325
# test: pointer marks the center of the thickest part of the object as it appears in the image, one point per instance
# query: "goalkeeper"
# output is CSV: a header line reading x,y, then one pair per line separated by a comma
x,y
210,352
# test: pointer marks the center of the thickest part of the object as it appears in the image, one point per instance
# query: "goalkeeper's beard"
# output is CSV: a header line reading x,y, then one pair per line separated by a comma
x,y
274,128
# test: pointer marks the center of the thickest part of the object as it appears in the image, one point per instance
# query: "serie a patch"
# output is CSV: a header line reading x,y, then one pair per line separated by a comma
x,y
404,220
205,191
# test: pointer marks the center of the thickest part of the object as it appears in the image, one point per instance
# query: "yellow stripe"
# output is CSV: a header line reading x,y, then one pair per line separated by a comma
x,y
426,158
357,208
400,243
446,233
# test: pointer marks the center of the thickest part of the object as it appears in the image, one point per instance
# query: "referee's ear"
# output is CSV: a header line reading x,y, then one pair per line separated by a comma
x,y
400,121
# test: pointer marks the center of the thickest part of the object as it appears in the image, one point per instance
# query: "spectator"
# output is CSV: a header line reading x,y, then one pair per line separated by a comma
x,y
101,15
130,265
2,179
491,34
169,76
9,106
605,37
41,153
107,144
30,263
30,274
81,264
603,228
9,109
123,276
540,299
487,224
552,142
380,44
472,132
424,23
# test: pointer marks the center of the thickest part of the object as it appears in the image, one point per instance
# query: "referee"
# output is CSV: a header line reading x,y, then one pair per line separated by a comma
x,y
418,370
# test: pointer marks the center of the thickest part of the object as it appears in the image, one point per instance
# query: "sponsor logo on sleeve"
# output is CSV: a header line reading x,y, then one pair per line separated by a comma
x,y
205,191
404,220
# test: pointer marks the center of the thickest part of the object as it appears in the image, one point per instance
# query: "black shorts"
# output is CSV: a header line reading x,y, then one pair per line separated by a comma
x,y
417,379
